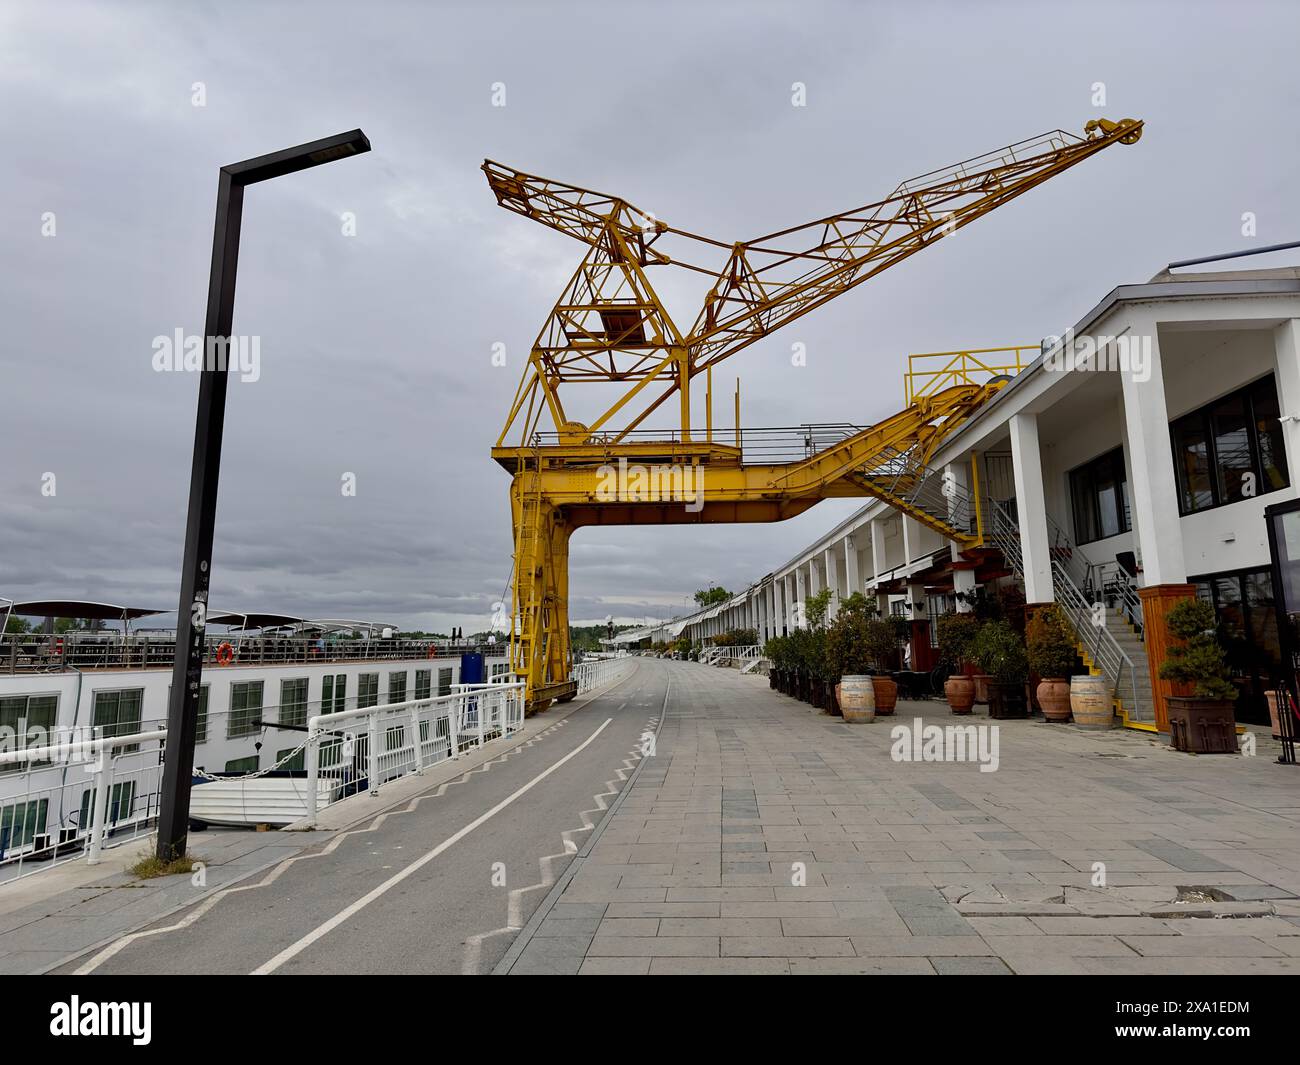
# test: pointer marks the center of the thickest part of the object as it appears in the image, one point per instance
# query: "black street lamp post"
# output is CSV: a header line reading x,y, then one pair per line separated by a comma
x,y
196,571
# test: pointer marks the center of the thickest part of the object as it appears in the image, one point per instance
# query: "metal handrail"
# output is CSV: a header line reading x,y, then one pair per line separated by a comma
x,y
1100,644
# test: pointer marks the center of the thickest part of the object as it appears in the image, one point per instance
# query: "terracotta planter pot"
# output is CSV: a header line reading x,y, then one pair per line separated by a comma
x,y
1089,702
982,686
886,691
1274,698
1054,697
960,691
857,699
1202,726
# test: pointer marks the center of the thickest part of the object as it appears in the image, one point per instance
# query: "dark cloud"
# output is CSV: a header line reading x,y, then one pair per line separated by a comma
x,y
376,348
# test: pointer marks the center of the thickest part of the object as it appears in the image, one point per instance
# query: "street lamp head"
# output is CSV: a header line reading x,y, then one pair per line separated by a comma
x,y
301,157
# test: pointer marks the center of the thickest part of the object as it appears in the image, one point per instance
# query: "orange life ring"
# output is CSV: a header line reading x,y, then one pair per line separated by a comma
x,y
225,654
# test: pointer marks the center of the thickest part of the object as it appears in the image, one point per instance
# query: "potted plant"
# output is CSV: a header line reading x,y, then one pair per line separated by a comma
x,y
849,654
956,633
1202,722
774,651
1000,652
881,646
1049,641
821,670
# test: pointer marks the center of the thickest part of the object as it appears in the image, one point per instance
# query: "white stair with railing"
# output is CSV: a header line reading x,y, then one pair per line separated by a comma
x,y
1111,648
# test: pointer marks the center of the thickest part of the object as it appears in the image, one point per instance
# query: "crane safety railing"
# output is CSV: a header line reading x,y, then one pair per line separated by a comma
x,y
1098,642
364,748
765,445
77,794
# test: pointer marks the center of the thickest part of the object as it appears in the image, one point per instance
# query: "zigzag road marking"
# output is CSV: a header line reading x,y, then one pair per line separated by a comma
x,y
365,900
514,904
329,848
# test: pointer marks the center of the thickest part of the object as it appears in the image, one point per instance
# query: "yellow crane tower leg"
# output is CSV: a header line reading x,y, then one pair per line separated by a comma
x,y
540,650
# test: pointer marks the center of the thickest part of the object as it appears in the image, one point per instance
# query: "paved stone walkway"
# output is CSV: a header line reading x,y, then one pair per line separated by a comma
x,y
764,837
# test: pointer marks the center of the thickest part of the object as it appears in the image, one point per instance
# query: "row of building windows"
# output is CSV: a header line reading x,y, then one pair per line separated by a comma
x,y
1224,452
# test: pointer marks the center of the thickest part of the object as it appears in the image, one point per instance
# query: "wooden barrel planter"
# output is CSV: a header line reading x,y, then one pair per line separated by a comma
x,y
857,699
1090,702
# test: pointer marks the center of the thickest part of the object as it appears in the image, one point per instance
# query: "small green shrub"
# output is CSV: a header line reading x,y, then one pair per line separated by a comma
x,y
1198,659
999,651
1050,643
956,632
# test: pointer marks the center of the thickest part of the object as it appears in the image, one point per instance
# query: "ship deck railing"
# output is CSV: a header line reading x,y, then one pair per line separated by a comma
x,y
46,653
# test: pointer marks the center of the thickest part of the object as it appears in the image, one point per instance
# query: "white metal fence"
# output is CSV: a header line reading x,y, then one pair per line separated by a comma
x,y
84,790
742,653
75,794
363,748
600,671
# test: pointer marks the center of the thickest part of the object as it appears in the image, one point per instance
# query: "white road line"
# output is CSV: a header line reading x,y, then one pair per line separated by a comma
x,y
311,937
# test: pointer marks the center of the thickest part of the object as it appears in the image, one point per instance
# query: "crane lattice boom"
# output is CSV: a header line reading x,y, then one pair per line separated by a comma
x,y
610,327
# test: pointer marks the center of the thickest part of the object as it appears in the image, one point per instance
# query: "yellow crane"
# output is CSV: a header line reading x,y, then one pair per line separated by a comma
x,y
611,329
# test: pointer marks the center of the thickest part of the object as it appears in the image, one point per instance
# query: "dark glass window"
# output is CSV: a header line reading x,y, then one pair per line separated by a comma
x,y
293,701
245,709
1230,449
118,714
1099,494
1268,432
1247,624
334,694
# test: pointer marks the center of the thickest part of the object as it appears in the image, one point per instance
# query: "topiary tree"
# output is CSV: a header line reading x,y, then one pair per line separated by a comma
x,y
999,651
1050,643
777,651
847,642
815,608
1198,659
882,643
956,633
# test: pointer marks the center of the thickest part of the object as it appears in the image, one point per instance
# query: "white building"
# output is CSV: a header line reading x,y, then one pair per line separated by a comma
x,y
1135,478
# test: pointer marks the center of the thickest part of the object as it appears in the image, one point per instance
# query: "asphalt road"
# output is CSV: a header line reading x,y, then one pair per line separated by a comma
x,y
443,888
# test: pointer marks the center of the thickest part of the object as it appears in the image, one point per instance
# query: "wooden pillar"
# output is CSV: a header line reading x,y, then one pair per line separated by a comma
x,y
1157,601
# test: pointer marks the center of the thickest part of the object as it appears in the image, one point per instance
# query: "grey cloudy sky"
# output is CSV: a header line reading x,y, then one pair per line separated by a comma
x,y
376,349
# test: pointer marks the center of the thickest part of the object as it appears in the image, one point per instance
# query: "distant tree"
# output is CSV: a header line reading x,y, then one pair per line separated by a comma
x,y
17,624
707,597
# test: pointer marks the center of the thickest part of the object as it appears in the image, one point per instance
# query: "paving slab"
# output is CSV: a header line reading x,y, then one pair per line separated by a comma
x,y
766,837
